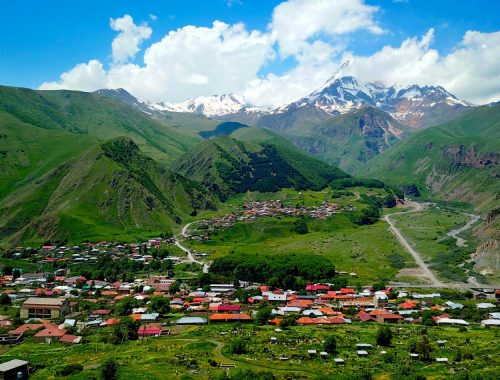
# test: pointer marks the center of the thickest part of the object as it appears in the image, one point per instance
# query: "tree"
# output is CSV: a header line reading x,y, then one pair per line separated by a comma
x,y
160,305
263,315
109,370
300,226
5,300
384,336
125,305
238,347
330,344
175,287
7,270
423,348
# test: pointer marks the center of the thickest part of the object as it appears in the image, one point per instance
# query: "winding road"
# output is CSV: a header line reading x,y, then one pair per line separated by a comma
x,y
433,280
190,257
416,255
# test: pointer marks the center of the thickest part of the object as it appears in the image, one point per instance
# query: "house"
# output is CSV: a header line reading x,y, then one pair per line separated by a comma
x,y
229,308
485,305
48,333
70,339
388,318
454,305
191,321
450,321
14,370
224,317
490,323
45,308
150,329
380,300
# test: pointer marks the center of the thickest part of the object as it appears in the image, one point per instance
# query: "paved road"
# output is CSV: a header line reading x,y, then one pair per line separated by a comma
x,y
190,257
434,282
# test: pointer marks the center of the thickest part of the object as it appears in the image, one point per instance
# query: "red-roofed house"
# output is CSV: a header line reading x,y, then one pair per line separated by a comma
x,y
150,329
229,308
408,305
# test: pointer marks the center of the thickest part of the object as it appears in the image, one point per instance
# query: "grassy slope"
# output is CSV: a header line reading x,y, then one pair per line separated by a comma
x,y
366,250
89,114
158,358
418,160
228,166
27,152
111,191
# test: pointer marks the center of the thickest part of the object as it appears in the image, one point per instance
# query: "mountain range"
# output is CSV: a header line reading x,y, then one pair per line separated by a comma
x,y
104,165
416,106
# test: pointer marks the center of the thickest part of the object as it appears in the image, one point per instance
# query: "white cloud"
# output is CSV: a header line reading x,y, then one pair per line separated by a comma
x,y
126,44
187,62
296,21
471,71
84,77
192,61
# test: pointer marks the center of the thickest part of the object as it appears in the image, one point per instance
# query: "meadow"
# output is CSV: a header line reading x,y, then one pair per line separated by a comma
x,y
193,352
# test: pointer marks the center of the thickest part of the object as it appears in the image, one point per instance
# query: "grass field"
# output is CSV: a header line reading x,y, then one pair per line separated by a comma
x,y
427,232
370,251
186,354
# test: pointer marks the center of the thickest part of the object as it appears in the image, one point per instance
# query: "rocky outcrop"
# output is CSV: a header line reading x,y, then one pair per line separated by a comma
x,y
461,156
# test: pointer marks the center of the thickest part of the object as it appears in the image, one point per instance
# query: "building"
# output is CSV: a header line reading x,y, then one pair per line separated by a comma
x,y
45,308
14,370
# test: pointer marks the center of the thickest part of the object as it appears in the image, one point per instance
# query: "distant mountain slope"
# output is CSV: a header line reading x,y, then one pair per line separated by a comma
x,y
88,114
350,140
110,191
228,166
457,161
416,106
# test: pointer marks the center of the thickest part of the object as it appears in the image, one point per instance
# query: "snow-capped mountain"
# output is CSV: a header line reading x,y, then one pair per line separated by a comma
x,y
215,105
408,104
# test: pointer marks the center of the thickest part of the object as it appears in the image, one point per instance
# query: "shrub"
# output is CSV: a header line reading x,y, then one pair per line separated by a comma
x,y
109,370
384,336
330,344
238,347
70,369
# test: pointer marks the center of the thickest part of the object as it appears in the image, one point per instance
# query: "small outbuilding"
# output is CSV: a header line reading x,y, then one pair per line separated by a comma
x,y
14,370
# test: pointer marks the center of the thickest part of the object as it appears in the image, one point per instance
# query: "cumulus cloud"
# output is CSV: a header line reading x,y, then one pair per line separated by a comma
x,y
84,77
126,44
192,60
470,71
186,62
296,21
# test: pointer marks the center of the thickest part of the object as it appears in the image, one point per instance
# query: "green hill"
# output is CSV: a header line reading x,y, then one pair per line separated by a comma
x,y
456,161
228,166
110,191
89,114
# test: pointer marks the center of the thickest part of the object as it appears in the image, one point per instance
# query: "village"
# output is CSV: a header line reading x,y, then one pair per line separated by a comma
x,y
61,308
251,211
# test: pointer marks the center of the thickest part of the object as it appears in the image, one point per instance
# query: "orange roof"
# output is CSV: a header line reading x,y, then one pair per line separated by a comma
x,y
276,321
408,305
230,317
136,317
112,321
50,332
305,321
27,327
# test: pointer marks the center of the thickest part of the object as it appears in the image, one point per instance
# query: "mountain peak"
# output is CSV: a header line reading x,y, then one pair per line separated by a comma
x,y
214,105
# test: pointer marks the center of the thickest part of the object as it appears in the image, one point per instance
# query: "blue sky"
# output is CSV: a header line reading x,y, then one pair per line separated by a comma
x,y
40,40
